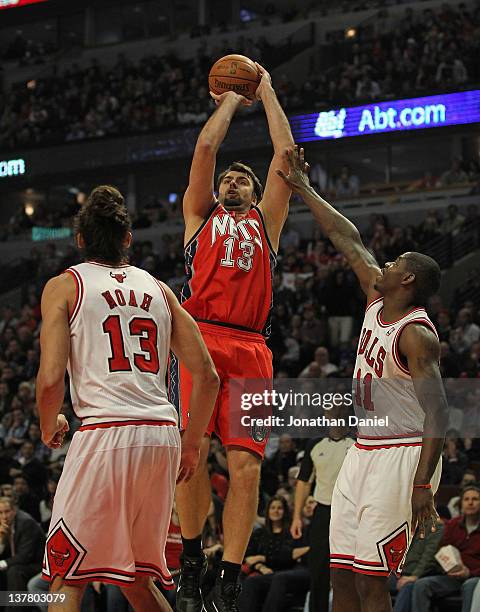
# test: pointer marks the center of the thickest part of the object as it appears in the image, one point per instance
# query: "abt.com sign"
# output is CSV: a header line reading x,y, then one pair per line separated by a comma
x,y
393,116
12,167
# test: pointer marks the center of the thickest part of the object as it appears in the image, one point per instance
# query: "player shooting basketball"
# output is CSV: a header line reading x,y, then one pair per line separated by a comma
x,y
230,249
385,488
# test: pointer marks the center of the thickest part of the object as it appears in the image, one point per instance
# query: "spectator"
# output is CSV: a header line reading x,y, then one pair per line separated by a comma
x,y
22,545
33,470
347,185
41,451
26,501
469,477
463,533
339,300
46,504
313,330
18,429
271,561
428,181
318,177
470,331
454,176
454,462
419,562
321,367
275,469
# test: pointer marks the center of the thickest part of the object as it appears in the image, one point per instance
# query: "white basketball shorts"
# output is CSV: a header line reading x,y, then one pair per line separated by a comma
x,y
371,506
113,504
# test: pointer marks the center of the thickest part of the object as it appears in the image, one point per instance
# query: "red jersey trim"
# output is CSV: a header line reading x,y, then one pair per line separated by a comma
x,y
369,563
369,448
104,265
383,323
340,566
112,576
395,348
164,296
100,577
346,557
143,567
79,293
124,423
373,302
216,204
412,435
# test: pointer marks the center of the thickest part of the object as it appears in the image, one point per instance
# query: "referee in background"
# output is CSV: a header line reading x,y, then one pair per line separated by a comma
x,y
321,464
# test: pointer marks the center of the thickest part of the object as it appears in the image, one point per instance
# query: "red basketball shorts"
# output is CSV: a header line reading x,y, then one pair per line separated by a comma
x,y
237,355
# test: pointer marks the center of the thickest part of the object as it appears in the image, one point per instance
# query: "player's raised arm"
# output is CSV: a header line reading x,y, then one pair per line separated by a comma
x,y
274,204
422,350
343,234
54,352
188,345
199,194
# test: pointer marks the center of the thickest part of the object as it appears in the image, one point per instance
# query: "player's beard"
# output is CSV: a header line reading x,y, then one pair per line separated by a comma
x,y
232,203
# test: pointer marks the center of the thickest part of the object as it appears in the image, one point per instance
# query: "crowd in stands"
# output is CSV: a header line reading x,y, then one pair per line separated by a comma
x,y
315,325
160,91
27,51
427,52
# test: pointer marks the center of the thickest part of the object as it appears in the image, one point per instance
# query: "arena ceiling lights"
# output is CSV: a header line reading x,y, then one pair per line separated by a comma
x,y
393,116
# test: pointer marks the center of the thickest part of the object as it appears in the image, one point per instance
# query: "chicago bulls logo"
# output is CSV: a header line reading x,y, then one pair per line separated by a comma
x,y
59,557
119,277
63,552
394,548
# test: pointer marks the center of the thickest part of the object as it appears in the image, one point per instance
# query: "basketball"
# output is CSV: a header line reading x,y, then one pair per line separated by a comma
x,y
234,73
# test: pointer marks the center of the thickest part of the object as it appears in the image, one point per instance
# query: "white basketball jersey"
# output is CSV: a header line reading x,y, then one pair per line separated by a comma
x,y
383,388
120,330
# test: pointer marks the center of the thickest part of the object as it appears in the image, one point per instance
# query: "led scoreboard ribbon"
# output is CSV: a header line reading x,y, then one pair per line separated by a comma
x,y
7,4
392,116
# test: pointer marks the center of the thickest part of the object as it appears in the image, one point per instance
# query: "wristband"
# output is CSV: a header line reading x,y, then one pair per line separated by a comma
x,y
422,486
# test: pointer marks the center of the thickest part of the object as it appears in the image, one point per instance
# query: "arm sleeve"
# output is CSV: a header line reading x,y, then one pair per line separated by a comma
x,y
307,467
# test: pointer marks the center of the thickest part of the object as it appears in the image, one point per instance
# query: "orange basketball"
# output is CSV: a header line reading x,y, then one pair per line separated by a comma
x,y
234,73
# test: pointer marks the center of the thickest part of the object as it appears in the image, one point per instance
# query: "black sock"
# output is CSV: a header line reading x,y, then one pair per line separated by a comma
x,y
193,547
229,572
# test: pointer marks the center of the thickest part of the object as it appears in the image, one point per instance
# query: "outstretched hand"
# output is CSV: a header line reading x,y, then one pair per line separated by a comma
x,y
297,177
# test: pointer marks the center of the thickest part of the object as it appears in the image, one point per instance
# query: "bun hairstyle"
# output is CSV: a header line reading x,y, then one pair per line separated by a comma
x,y
103,222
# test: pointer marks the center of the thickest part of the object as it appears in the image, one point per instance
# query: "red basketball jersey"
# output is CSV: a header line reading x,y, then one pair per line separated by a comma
x,y
229,267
